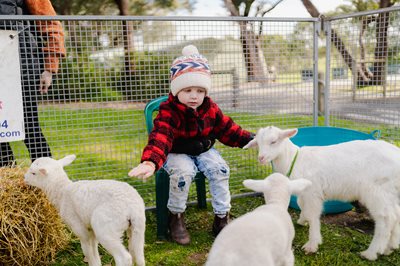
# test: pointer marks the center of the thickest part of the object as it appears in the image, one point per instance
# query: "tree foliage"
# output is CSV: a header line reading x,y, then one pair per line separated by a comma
x,y
113,7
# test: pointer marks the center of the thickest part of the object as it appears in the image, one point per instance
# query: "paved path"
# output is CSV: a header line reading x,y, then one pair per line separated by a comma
x,y
297,98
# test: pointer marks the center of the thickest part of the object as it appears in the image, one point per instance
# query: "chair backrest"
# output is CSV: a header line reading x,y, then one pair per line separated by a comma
x,y
150,108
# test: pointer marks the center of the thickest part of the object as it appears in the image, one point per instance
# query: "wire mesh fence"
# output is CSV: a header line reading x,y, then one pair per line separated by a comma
x,y
263,74
364,70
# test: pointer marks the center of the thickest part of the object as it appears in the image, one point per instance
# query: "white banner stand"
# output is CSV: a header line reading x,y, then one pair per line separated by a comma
x,y
11,109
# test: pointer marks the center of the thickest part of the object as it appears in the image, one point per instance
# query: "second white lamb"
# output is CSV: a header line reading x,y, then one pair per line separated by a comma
x,y
263,236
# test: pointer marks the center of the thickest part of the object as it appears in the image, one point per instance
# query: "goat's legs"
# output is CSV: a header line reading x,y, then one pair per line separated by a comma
x,y
311,209
394,241
385,217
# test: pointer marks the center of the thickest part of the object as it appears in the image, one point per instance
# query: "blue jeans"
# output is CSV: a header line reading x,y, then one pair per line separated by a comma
x,y
182,169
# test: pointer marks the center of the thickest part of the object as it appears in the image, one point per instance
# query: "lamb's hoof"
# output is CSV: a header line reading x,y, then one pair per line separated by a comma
x,y
369,255
310,247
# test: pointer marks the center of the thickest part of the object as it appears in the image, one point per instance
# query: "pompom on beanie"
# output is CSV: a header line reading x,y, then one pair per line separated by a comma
x,y
190,70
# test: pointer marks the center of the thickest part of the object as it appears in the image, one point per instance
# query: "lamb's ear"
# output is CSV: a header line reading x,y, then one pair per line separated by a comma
x,y
67,160
255,185
298,185
288,133
252,144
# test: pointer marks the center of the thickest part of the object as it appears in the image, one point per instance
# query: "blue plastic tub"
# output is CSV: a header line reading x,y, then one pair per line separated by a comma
x,y
323,136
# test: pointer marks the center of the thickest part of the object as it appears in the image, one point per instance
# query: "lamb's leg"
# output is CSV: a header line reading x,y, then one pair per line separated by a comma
x,y
86,243
109,233
136,240
94,244
311,212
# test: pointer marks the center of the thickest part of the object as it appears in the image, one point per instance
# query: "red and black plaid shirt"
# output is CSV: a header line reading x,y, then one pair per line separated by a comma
x,y
175,120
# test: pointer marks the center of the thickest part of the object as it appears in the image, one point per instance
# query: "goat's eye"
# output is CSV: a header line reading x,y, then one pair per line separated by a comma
x,y
273,142
33,173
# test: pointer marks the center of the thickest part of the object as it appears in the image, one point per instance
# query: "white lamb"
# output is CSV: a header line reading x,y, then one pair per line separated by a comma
x,y
97,211
263,236
363,170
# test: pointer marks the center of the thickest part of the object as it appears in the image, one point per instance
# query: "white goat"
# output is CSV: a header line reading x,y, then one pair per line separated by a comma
x,y
97,211
363,170
263,236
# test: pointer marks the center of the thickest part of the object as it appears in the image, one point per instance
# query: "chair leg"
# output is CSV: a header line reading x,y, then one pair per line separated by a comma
x,y
201,191
162,194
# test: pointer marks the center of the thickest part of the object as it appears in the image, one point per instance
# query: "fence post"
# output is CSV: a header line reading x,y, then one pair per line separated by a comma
x,y
321,94
235,81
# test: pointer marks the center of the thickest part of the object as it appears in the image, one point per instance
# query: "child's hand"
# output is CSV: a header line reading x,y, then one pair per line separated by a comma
x,y
143,170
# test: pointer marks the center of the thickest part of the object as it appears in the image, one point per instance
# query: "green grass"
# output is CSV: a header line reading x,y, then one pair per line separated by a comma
x,y
341,245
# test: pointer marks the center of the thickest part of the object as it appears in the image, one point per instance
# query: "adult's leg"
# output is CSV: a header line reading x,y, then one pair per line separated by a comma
x,y
30,73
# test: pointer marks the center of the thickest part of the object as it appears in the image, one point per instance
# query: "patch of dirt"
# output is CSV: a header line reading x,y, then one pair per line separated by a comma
x,y
357,219
198,258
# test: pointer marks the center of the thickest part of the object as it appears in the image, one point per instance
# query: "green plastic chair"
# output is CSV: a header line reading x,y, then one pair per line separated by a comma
x,y
162,178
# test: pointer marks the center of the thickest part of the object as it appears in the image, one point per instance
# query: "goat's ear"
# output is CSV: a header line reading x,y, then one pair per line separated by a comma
x,y
255,185
252,144
298,185
43,171
67,160
288,133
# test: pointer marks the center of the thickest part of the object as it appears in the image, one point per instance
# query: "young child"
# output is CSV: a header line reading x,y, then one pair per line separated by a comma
x,y
182,140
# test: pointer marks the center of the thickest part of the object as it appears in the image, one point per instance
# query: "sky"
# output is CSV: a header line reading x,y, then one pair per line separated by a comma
x,y
287,8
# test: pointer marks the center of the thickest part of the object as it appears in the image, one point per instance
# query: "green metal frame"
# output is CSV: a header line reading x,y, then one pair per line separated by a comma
x,y
162,178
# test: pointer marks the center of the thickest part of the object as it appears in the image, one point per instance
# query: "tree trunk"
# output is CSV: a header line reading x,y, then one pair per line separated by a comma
x,y
381,48
364,24
129,64
363,74
254,59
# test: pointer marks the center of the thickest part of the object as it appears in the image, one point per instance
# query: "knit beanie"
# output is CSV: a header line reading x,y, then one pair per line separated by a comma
x,y
190,69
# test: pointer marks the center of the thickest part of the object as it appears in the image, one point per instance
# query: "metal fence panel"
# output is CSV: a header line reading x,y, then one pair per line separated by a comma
x,y
364,70
263,74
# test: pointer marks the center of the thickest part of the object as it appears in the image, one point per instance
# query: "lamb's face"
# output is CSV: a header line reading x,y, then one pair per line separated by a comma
x,y
38,173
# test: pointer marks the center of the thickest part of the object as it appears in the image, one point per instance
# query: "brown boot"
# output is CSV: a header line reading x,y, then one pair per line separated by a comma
x,y
177,229
219,223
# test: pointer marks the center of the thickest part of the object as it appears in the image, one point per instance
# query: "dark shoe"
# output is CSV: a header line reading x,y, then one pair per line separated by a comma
x,y
219,223
177,229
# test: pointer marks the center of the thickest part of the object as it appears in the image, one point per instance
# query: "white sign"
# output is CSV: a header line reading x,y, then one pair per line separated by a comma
x,y
11,109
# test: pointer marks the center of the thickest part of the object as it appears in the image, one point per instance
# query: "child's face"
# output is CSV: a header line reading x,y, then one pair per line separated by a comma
x,y
192,97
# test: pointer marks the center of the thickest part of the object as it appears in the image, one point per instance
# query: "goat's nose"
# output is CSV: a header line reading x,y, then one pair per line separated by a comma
x,y
261,158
